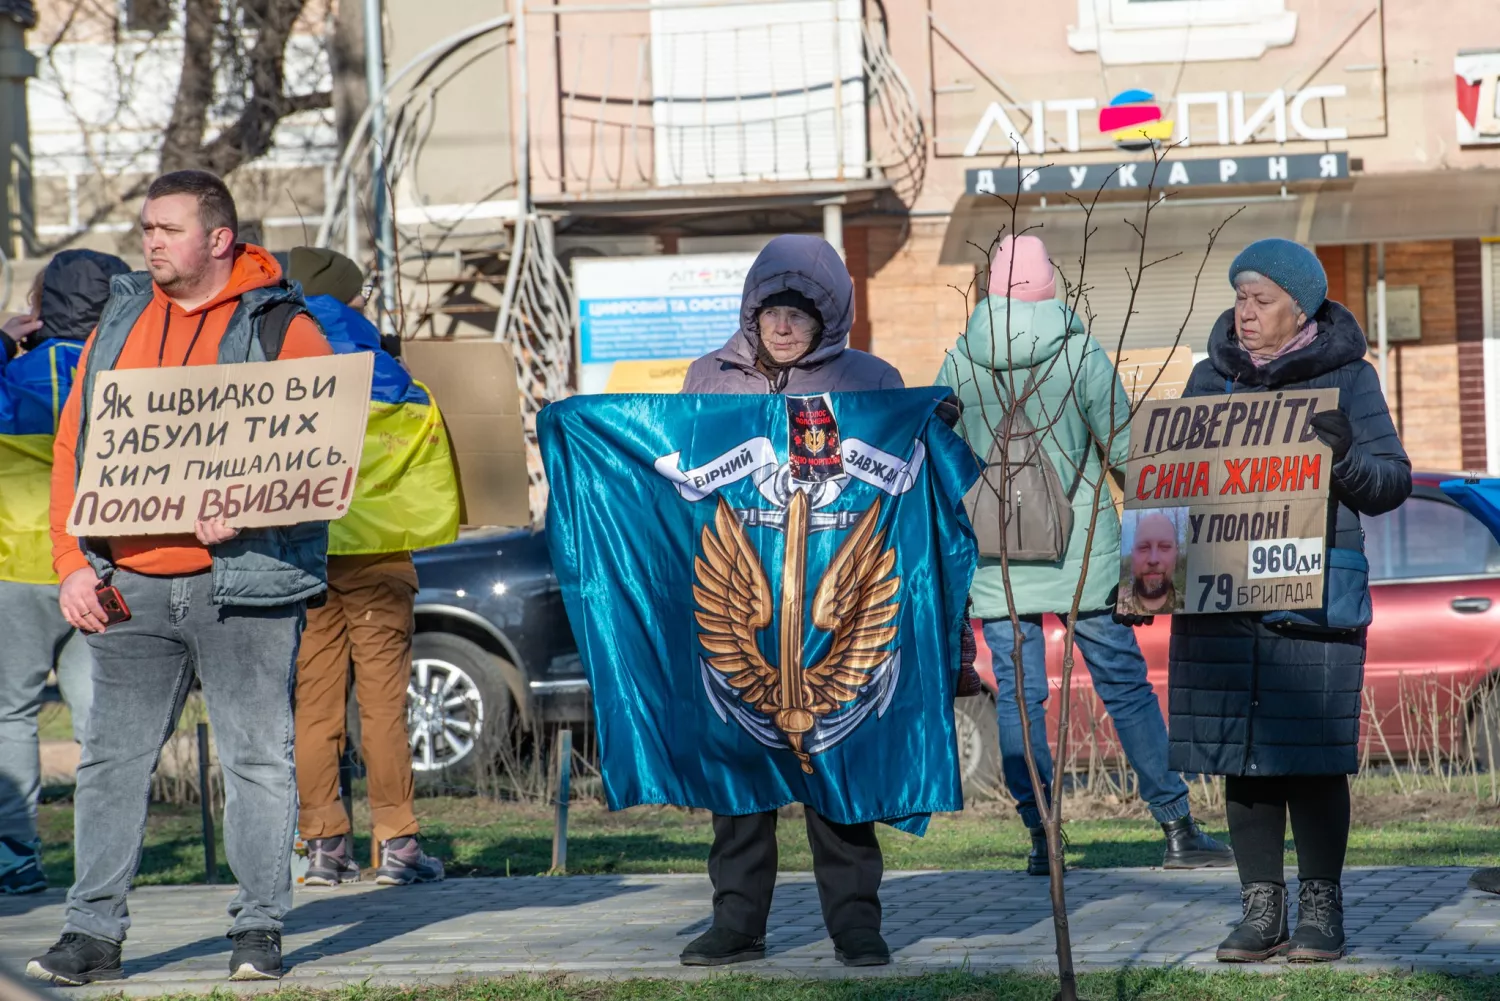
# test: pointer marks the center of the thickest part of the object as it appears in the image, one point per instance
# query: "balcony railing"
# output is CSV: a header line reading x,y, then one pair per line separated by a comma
x,y
688,95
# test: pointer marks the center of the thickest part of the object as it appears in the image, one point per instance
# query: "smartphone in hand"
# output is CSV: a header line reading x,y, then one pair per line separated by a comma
x,y
115,610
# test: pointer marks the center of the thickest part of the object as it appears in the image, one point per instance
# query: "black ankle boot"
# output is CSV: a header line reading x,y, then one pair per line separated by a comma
x,y
861,947
1320,923
1189,848
720,947
1262,932
1036,861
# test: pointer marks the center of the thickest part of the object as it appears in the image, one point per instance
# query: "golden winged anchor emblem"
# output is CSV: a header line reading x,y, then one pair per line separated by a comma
x,y
811,706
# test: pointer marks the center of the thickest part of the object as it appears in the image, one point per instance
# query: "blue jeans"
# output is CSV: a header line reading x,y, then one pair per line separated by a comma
x,y
1119,671
246,659
36,639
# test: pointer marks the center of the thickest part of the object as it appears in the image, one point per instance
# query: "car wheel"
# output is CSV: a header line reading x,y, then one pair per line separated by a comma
x,y
978,746
457,702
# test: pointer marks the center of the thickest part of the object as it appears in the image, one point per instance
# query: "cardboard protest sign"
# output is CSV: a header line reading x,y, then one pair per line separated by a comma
x,y
1226,505
263,443
1149,374
475,386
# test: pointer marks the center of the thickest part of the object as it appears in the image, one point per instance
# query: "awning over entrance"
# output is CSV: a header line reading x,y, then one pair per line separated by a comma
x,y
1440,205
712,208
1175,225
1432,205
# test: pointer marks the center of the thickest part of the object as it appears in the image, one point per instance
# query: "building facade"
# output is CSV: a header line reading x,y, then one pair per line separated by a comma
x,y
913,133
1368,131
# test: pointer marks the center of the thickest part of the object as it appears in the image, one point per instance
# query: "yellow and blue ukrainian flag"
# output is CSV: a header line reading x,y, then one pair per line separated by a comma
x,y
33,389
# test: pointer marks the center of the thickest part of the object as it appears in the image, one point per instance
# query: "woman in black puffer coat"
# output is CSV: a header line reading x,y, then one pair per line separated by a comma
x,y
1273,709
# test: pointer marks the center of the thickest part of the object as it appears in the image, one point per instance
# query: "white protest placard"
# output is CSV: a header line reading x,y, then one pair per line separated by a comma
x,y
1226,504
258,444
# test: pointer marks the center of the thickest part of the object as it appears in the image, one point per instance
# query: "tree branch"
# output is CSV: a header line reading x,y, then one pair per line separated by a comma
x,y
250,135
195,87
321,101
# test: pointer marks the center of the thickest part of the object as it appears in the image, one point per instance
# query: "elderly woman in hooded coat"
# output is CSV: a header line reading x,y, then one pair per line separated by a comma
x,y
793,338
1275,708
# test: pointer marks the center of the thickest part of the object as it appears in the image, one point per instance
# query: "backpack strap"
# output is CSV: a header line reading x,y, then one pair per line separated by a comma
x,y
274,324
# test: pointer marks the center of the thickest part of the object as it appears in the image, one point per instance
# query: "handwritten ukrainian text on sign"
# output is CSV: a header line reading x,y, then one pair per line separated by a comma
x,y
1226,504
264,443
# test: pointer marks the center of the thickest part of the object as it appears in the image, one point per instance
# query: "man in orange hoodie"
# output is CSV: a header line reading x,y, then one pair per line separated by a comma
x,y
225,604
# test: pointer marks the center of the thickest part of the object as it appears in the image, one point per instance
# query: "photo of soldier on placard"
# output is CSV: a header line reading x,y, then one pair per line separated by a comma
x,y
1153,561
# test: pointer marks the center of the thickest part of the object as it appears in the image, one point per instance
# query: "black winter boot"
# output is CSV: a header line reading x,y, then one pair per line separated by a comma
x,y
861,947
1189,848
1261,934
1320,923
720,947
1036,861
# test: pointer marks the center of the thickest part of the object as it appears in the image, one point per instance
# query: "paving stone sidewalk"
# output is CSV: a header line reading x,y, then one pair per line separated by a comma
x,y
634,926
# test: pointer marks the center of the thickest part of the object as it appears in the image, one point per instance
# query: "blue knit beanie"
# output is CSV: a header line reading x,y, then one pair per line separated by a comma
x,y
1292,266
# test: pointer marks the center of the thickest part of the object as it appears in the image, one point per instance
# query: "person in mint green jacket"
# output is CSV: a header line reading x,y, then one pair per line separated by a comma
x,y
1077,403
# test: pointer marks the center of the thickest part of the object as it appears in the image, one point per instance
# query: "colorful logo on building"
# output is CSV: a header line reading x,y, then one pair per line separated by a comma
x,y
1133,120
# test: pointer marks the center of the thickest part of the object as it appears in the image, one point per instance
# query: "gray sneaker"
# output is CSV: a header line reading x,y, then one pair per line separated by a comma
x,y
330,861
402,861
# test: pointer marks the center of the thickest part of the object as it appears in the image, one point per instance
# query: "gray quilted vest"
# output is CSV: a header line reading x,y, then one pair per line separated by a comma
x,y
261,566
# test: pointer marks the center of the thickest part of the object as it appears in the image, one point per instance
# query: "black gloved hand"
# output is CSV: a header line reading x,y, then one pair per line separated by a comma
x,y
969,682
1335,431
18,331
1125,618
950,410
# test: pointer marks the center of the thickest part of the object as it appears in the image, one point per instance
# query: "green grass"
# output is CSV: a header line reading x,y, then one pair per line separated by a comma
x,y
54,722
1129,985
482,838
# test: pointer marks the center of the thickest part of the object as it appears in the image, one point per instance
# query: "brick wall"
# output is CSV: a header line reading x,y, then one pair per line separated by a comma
x,y
915,314
1425,392
1468,296
857,256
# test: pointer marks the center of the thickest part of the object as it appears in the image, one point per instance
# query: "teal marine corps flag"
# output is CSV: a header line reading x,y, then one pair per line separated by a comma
x,y
767,593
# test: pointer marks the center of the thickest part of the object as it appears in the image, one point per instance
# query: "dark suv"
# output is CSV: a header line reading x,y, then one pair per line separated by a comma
x,y
493,644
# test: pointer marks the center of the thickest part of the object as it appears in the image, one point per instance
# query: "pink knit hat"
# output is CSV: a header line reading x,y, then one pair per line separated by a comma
x,y
1030,276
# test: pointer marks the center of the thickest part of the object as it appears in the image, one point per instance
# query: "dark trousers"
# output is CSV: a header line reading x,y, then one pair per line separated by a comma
x,y
1257,810
742,867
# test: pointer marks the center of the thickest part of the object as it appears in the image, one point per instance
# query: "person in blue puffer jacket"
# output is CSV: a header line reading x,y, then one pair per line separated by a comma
x,y
38,354
38,351
349,332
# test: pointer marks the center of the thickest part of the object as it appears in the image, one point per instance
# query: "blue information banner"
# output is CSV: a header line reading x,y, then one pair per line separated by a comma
x,y
624,329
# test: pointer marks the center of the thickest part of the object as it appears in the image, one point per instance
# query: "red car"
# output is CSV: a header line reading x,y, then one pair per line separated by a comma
x,y
1433,653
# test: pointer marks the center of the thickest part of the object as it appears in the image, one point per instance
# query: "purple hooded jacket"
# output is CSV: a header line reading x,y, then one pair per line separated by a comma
x,y
810,265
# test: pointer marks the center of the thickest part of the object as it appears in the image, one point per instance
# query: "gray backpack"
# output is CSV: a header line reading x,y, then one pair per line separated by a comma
x,y
1027,516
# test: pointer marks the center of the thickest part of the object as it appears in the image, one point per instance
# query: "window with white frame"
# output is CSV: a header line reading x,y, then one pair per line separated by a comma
x,y
151,16
1167,31
757,92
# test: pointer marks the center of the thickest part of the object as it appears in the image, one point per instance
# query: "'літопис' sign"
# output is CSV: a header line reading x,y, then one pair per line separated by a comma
x,y
263,443
1226,504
